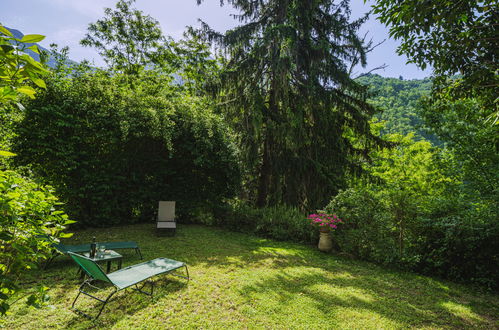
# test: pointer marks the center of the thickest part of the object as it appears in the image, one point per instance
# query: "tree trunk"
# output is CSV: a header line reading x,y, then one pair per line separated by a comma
x,y
265,172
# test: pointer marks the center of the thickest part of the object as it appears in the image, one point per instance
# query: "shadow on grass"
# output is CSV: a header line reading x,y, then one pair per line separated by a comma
x,y
288,270
405,298
330,294
124,304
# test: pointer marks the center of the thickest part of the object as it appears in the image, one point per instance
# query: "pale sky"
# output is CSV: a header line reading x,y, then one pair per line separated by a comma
x,y
65,22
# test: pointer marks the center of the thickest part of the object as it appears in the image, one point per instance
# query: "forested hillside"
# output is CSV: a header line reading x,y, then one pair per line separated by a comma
x,y
398,98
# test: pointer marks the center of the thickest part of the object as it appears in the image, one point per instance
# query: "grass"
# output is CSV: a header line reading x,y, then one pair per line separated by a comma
x,y
241,281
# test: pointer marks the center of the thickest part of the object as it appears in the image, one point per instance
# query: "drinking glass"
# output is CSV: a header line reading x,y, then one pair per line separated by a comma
x,y
101,250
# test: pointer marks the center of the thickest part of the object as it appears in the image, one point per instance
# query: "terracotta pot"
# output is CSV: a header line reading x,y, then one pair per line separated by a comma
x,y
325,241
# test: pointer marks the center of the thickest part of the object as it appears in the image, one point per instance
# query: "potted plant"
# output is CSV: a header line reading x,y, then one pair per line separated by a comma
x,y
325,222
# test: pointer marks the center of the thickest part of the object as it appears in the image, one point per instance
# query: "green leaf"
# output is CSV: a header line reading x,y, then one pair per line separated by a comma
x,y
4,153
39,82
7,48
5,31
27,90
34,48
20,106
32,38
5,236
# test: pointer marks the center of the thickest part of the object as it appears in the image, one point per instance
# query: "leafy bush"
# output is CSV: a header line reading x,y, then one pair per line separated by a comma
x,y
450,238
279,222
369,232
27,211
419,217
460,240
112,152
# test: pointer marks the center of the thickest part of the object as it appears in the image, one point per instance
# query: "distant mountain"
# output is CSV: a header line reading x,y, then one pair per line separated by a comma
x,y
18,35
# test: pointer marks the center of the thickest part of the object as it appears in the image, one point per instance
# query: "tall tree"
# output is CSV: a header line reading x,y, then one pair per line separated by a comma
x,y
127,39
287,89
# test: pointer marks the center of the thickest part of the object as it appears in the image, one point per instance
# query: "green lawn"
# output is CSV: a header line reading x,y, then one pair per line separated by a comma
x,y
241,281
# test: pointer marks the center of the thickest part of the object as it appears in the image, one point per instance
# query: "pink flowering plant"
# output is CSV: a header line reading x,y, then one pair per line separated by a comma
x,y
324,221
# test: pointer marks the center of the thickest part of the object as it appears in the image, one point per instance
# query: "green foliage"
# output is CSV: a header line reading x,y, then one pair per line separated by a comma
x,y
128,40
27,212
399,99
286,88
369,232
112,153
18,69
459,239
475,144
453,37
279,222
19,74
416,216
196,68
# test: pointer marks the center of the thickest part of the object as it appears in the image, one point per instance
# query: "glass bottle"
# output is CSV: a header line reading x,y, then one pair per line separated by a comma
x,y
93,248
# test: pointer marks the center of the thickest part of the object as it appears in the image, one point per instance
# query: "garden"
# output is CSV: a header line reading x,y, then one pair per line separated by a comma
x,y
240,281
297,194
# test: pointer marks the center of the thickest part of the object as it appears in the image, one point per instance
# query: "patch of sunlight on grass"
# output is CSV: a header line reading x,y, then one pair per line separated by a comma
x,y
278,251
461,311
242,281
348,293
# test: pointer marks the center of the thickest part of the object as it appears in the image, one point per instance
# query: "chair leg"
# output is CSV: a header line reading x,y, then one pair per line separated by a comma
x,y
187,272
182,276
137,250
104,304
143,285
102,301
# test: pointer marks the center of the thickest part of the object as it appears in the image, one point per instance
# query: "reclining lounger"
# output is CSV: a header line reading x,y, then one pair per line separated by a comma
x,y
124,278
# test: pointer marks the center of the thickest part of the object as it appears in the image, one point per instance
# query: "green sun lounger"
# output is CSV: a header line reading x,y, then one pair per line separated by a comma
x,y
124,278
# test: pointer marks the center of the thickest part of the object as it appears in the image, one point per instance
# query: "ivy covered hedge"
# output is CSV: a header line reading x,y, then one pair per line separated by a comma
x,y
113,149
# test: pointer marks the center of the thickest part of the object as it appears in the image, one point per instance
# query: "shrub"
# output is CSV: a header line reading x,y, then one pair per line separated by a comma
x,y
419,216
449,237
279,222
460,240
369,232
27,212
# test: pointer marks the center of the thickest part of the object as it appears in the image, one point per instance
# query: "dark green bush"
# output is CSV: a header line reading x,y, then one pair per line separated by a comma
x,y
461,241
367,231
448,237
112,152
278,222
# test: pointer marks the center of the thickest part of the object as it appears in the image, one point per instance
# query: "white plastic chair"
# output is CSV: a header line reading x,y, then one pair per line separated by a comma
x,y
166,216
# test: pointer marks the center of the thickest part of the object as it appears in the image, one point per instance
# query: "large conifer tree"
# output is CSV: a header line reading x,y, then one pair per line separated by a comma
x,y
286,87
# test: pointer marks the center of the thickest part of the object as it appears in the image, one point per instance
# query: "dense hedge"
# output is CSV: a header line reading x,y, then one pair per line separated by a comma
x,y
451,238
112,152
